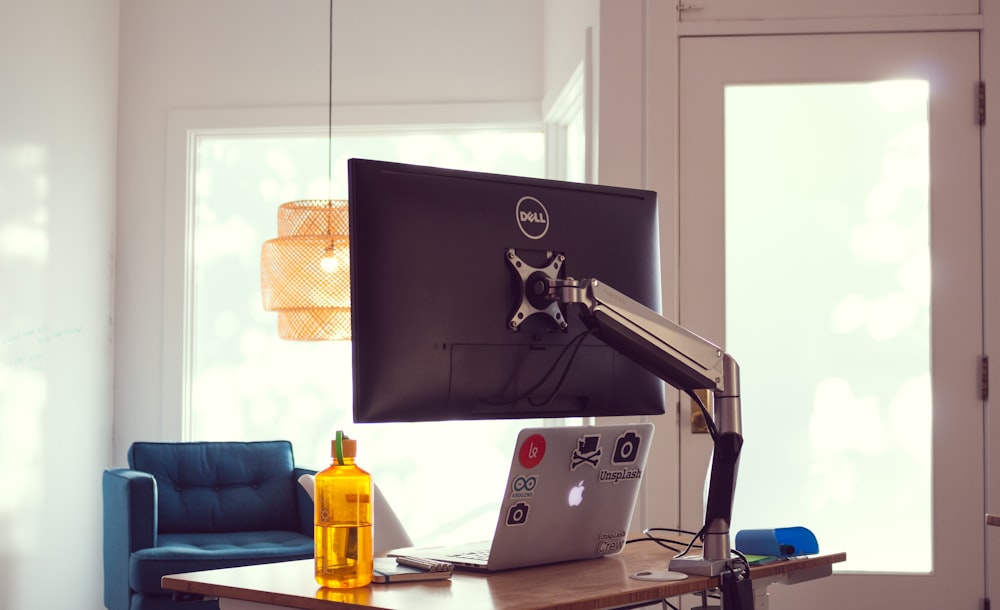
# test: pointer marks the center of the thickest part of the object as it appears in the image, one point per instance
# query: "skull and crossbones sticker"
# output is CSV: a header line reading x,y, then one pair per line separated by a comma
x,y
588,451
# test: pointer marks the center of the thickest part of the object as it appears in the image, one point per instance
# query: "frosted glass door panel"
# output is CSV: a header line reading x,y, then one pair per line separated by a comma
x,y
831,286
830,240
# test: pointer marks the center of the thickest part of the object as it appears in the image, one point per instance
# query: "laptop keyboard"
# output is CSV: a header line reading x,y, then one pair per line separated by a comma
x,y
472,555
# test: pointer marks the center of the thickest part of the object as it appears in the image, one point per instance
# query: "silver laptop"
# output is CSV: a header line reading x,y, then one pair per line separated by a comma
x,y
570,495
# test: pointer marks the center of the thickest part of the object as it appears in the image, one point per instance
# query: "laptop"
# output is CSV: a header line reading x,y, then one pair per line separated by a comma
x,y
570,495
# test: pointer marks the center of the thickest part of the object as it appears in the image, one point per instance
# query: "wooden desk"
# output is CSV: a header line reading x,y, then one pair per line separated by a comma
x,y
579,585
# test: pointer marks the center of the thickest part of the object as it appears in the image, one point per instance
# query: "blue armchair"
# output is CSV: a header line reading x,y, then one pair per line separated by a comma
x,y
185,507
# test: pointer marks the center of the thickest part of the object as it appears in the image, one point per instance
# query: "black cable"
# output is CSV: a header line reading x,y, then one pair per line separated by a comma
x,y
695,536
669,529
712,430
699,536
664,542
743,558
574,344
577,341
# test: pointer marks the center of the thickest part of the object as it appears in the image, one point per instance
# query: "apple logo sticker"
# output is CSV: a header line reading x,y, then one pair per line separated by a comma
x,y
576,494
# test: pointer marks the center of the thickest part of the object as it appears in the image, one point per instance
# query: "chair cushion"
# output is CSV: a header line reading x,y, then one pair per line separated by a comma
x,y
221,486
178,553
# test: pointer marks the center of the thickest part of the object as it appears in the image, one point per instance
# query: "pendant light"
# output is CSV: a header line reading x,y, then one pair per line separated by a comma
x,y
305,271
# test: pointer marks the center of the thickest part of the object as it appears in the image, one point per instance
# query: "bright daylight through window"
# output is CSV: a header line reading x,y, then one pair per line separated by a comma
x,y
828,309
247,384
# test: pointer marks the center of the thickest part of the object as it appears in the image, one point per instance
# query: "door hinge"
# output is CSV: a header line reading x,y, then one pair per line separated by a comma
x,y
984,378
982,102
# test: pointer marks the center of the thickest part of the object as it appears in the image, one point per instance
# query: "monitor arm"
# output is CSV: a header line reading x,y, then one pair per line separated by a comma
x,y
687,362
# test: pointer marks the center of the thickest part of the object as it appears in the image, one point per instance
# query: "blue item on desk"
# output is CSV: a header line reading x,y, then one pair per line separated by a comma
x,y
777,542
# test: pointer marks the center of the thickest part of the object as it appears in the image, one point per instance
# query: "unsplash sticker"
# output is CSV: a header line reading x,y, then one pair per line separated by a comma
x,y
617,476
611,542
626,448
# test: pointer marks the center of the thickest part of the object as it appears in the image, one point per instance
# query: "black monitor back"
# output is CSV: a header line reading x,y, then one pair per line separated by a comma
x,y
432,294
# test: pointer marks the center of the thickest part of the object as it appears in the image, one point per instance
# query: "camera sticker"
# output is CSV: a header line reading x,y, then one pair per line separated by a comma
x,y
523,486
626,451
532,451
626,448
588,451
611,542
517,514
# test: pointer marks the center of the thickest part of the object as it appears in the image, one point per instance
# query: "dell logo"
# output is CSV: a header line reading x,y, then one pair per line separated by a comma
x,y
532,217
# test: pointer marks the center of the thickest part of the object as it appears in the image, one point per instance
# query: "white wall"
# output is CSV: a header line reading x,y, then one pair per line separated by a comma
x,y
569,28
58,171
75,267
193,54
58,92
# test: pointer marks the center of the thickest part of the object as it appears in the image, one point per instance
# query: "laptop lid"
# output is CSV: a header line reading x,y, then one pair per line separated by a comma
x,y
570,493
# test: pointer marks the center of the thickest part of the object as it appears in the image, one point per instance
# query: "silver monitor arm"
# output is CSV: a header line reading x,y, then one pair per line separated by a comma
x,y
687,362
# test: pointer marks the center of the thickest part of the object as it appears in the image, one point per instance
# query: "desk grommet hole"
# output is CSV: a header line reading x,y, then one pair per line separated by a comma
x,y
659,576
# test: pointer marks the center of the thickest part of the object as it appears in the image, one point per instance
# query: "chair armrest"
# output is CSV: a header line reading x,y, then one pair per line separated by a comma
x,y
130,519
305,503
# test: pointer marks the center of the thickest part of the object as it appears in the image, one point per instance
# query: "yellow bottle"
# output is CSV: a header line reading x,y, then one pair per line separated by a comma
x,y
343,520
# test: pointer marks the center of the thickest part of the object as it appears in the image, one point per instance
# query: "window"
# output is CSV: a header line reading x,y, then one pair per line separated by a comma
x,y
248,384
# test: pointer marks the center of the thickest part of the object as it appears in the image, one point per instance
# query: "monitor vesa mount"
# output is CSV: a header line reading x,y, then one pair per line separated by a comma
x,y
671,352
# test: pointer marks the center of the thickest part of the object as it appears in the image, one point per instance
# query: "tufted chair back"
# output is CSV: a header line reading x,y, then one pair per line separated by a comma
x,y
220,486
187,507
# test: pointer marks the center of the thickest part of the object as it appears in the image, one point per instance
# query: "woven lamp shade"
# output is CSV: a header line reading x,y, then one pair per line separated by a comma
x,y
305,271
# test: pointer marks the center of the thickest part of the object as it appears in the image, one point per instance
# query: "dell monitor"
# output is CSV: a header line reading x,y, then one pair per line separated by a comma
x,y
441,326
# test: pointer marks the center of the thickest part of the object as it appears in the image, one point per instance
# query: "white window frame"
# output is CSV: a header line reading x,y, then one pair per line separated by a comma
x,y
571,104
185,127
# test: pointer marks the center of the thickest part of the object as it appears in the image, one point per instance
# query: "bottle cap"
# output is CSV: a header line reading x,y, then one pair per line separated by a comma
x,y
349,447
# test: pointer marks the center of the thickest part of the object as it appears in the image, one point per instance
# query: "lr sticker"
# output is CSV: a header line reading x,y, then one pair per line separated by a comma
x,y
523,486
532,451
588,451
611,542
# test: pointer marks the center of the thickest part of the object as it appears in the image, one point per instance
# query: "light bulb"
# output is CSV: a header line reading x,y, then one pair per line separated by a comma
x,y
329,263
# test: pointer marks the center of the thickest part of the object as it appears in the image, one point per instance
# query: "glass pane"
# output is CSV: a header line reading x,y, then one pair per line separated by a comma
x,y
247,384
827,312
576,147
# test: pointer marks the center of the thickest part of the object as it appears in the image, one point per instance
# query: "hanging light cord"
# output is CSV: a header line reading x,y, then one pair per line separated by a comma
x,y
329,110
329,129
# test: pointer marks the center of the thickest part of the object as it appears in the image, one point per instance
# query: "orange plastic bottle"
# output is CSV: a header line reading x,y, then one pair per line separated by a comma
x,y
343,520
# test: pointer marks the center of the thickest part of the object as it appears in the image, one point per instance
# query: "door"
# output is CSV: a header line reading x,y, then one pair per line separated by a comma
x,y
830,240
